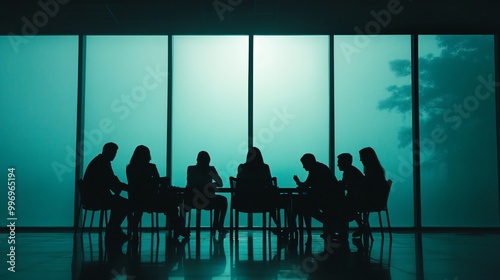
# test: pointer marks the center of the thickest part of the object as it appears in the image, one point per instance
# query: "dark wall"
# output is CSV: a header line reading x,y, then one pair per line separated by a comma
x,y
248,17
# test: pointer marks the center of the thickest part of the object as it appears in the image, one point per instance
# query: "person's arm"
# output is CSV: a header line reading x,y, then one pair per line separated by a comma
x,y
155,176
190,177
268,176
117,186
215,176
112,180
298,182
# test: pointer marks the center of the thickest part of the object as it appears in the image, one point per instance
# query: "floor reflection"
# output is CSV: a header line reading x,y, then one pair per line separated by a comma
x,y
57,255
256,255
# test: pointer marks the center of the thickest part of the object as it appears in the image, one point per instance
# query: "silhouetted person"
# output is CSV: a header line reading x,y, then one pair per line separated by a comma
x,y
353,182
146,195
323,198
202,180
103,189
255,188
375,182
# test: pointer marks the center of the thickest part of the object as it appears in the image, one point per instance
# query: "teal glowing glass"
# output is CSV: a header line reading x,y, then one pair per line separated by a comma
x,y
126,98
458,134
210,97
38,82
366,113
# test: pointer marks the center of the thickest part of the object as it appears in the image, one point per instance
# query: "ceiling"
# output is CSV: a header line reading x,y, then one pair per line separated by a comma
x,y
45,17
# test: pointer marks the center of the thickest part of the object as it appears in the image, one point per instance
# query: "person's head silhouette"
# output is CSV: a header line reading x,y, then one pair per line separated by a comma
x,y
370,161
203,159
368,157
109,151
254,156
344,161
308,160
141,155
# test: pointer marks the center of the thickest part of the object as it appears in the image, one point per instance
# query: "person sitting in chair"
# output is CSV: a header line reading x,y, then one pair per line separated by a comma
x,y
352,181
375,182
323,198
202,179
147,194
102,189
255,187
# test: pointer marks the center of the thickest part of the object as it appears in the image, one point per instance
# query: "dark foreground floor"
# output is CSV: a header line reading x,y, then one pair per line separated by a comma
x,y
451,256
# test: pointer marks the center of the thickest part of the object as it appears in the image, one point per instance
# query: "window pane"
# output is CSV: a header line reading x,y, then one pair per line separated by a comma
x,y
291,102
458,131
125,98
38,82
373,108
210,97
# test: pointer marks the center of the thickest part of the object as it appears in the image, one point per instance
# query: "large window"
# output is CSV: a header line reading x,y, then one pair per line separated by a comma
x,y
291,102
126,98
210,93
373,109
458,131
288,92
38,93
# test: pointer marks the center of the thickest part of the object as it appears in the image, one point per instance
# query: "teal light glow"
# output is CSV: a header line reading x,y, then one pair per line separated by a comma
x,y
291,102
362,77
38,86
459,167
126,98
210,93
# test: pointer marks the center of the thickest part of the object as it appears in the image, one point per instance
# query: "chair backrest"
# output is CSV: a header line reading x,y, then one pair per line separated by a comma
x,y
85,201
379,201
232,184
252,201
386,196
80,184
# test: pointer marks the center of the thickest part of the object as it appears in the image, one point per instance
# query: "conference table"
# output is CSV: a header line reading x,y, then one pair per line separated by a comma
x,y
281,190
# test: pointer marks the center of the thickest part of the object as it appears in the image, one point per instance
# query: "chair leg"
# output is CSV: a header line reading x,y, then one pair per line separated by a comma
x,y
231,224
91,221
139,235
84,218
157,229
366,220
153,228
198,220
264,222
188,220
102,217
212,229
380,222
388,223
101,220
236,224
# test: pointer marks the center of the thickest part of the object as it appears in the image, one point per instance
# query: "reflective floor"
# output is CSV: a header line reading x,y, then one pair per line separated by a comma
x,y
452,256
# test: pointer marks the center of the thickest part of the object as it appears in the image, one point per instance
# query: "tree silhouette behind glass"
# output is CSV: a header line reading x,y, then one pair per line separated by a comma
x,y
456,113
